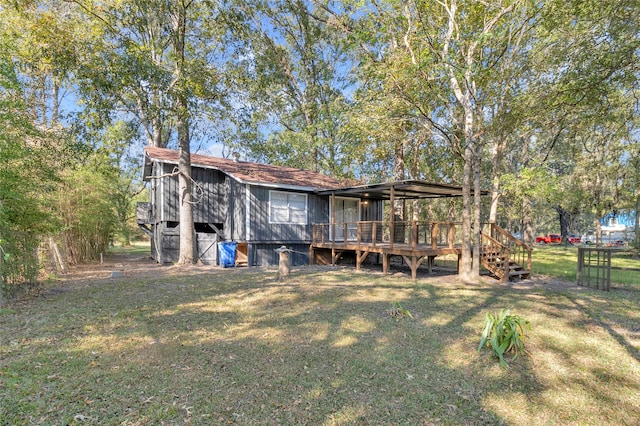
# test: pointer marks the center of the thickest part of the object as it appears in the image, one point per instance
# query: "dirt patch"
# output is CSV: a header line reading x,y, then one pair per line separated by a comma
x,y
126,266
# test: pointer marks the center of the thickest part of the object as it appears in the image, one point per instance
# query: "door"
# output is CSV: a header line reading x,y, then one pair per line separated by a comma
x,y
347,211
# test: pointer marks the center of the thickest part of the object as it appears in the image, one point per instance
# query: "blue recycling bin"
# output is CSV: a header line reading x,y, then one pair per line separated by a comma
x,y
227,253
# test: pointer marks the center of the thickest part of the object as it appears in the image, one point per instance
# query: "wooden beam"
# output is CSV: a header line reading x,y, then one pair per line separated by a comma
x,y
360,257
414,234
333,219
335,254
452,234
430,262
392,208
385,263
374,234
414,262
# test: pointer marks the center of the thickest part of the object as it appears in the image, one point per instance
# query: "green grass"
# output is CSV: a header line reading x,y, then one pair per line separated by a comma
x,y
137,247
561,261
239,347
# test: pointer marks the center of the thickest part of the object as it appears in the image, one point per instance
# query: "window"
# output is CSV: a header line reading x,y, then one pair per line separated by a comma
x,y
287,207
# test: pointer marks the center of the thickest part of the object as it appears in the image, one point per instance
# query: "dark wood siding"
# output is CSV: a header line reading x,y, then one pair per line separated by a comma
x,y
266,255
235,220
263,231
221,200
372,210
209,195
169,194
156,205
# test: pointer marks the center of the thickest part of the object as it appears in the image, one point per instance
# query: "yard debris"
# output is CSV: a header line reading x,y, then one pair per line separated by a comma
x,y
118,270
398,312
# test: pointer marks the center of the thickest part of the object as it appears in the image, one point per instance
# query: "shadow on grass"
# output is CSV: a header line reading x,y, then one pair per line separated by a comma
x,y
240,347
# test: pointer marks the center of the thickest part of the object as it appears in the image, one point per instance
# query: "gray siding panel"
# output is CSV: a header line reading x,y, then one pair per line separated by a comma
x,y
372,211
235,223
169,196
266,255
209,196
220,199
263,231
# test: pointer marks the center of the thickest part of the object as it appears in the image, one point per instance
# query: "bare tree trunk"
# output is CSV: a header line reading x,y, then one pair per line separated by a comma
x,y
496,154
399,214
477,225
596,224
466,258
637,224
186,202
527,220
416,209
182,124
55,109
563,217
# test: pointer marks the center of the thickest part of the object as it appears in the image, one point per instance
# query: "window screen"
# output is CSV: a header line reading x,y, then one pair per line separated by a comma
x,y
287,207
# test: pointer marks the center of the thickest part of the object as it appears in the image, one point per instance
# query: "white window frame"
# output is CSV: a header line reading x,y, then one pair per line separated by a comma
x,y
289,216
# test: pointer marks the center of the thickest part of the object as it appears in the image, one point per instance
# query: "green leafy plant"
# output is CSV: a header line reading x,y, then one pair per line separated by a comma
x,y
397,311
504,333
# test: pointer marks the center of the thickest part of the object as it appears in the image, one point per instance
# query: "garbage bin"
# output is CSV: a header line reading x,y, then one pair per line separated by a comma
x,y
227,253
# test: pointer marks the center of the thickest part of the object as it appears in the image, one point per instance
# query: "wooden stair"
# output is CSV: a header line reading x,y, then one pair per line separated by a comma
x,y
504,256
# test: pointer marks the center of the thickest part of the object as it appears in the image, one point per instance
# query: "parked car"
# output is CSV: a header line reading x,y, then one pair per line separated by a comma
x,y
609,238
548,239
589,238
574,239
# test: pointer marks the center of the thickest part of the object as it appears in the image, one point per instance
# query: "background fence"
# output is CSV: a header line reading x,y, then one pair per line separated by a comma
x,y
599,267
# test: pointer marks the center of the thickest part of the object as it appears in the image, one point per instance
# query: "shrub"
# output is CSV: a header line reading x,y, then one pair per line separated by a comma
x,y
504,333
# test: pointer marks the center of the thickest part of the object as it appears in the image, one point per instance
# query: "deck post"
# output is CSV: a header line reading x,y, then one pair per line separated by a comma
x,y
507,261
392,202
360,257
374,233
452,234
333,228
385,263
414,263
414,234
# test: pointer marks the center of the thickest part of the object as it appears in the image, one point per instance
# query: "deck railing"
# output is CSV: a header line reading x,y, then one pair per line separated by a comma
x,y
519,252
413,233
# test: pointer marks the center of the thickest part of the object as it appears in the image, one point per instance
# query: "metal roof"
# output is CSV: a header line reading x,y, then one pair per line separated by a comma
x,y
408,189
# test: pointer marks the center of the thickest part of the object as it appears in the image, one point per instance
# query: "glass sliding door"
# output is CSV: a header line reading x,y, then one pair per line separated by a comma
x,y
347,211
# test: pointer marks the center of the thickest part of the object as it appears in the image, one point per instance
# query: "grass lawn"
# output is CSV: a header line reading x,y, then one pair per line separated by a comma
x,y
561,261
236,346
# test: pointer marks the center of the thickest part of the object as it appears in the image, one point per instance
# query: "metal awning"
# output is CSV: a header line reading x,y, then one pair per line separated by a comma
x,y
404,189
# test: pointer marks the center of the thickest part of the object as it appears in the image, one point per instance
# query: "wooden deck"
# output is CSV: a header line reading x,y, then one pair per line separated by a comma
x,y
414,241
501,254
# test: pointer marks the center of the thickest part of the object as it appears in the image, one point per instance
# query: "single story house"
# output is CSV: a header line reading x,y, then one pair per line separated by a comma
x,y
260,206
